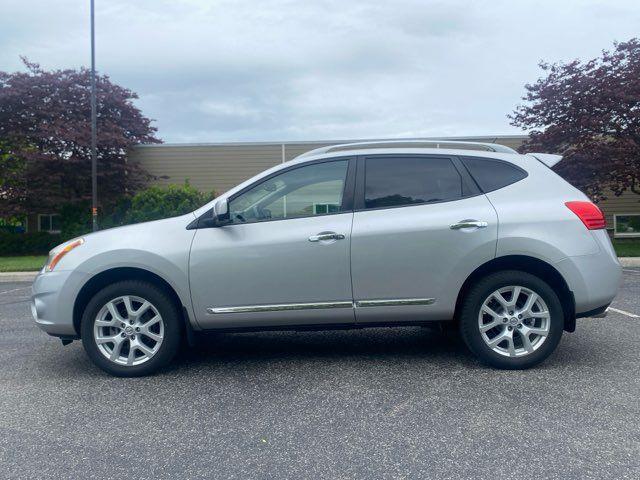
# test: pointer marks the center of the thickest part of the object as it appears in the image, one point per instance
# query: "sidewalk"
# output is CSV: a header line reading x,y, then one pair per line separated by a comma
x,y
10,277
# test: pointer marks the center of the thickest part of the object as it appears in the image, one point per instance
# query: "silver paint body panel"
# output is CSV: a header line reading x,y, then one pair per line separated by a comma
x,y
390,255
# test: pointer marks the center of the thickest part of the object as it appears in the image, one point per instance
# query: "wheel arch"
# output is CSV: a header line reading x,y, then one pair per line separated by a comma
x,y
106,277
531,265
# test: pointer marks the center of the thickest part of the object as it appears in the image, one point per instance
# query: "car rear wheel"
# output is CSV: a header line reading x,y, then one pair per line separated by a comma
x,y
511,320
131,328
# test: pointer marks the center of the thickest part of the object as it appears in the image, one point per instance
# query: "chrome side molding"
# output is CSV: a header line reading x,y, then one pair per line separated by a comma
x,y
394,302
312,306
279,307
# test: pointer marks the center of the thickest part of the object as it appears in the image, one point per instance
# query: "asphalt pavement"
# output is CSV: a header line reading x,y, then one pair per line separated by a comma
x,y
373,403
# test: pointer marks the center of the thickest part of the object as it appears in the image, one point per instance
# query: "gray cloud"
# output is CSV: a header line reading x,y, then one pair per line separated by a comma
x,y
283,70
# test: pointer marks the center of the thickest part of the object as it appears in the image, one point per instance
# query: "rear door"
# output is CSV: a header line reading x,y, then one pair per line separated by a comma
x,y
420,227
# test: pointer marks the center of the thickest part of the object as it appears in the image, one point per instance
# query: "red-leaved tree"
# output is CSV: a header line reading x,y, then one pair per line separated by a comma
x,y
590,113
45,139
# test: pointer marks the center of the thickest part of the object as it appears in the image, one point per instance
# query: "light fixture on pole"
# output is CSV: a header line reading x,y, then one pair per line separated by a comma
x,y
94,136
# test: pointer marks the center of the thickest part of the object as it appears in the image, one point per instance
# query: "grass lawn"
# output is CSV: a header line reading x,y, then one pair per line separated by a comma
x,y
627,247
22,264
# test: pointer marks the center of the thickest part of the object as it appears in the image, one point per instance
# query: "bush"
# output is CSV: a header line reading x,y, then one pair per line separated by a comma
x,y
156,202
36,243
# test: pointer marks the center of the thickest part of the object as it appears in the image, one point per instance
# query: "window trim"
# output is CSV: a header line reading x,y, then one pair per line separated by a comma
x,y
50,215
467,181
615,226
347,193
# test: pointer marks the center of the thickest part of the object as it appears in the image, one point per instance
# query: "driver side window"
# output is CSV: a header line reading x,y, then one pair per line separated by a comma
x,y
302,192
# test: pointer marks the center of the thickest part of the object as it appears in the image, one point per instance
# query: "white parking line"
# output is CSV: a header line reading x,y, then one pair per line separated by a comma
x,y
15,290
622,312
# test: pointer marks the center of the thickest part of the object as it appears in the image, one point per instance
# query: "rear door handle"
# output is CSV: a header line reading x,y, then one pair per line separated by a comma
x,y
468,224
326,236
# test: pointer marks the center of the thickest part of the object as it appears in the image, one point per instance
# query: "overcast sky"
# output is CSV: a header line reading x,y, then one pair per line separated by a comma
x,y
240,70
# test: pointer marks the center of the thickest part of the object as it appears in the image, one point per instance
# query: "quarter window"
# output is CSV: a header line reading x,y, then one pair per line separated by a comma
x,y
315,189
491,174
396,181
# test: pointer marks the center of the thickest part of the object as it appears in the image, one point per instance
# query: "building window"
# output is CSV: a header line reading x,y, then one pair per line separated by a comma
x,y
49,223
626,225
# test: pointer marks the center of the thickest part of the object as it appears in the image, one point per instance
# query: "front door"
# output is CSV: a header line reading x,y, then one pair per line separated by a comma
x,y
284,258
421,226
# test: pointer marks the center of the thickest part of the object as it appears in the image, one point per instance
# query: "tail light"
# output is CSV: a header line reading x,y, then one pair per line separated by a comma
x,y
588,213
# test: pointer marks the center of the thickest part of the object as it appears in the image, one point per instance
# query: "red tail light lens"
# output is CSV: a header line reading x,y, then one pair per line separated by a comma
x,y
591,216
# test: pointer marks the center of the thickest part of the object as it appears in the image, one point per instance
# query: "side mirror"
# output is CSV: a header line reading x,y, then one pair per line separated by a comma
x,y
221,212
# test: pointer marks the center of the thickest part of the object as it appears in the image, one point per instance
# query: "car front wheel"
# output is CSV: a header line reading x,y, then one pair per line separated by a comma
x,y
131,328
511,320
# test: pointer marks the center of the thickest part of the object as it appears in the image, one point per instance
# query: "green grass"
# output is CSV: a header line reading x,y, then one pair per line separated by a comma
x,y
22,264
627,247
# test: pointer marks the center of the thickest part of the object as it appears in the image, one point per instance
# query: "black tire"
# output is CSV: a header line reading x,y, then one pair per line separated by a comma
x,y
171,320
470,310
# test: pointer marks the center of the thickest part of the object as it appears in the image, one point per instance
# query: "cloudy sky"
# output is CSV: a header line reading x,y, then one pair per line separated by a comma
x,y
241,70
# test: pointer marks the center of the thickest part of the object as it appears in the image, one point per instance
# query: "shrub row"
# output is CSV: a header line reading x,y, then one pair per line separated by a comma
x,y
37,243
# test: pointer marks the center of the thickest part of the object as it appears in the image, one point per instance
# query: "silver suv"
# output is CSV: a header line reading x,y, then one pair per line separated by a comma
x,y
358,235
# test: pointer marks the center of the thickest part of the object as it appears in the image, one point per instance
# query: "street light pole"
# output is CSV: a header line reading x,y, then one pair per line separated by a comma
x,y
94,136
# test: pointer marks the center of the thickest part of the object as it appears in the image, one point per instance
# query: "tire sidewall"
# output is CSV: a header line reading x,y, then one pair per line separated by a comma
x,y
170,319
471,309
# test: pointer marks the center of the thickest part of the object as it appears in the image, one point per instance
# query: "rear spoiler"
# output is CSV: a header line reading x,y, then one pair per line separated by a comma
x,y
549,159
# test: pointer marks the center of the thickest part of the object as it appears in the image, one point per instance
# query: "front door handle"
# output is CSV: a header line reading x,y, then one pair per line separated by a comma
x,y
468,224
326,236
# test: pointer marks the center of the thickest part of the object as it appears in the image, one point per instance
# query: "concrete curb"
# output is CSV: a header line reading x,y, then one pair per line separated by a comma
x,y
6,277
630,261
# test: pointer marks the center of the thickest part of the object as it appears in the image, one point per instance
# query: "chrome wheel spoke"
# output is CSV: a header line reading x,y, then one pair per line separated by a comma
x,y
115,352
526,342
511,346
144,349
542,332
488,326
114,312
108,323
153,336
132,354
111,339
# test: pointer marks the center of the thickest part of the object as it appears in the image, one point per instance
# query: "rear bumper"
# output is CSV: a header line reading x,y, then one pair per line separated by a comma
x,y
599,312
593,279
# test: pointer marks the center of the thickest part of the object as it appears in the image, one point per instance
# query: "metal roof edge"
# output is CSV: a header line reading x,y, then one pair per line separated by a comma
x,y
470,138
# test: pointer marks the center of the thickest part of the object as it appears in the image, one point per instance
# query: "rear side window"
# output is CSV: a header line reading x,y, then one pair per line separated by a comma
x,y
492,174
395,181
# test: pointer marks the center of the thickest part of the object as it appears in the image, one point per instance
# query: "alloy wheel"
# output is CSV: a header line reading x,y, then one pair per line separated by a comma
x,y
128,330
514,321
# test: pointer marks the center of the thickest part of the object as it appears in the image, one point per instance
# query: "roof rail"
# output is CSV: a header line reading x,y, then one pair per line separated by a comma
x,y
450,144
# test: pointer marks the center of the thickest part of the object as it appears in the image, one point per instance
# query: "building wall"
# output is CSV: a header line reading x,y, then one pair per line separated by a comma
x,y
219,167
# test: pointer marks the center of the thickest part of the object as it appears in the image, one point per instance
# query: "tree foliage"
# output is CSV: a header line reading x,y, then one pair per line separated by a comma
x,y
45,139
590,113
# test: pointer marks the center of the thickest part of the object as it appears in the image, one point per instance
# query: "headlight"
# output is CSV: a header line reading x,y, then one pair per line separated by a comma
x,y
60,251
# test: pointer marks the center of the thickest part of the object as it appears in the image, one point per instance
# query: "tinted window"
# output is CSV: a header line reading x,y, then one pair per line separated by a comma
x,y
393,181
310,190
493,174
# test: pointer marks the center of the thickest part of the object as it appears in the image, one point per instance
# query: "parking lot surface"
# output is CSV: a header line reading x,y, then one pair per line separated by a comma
x,y
373,403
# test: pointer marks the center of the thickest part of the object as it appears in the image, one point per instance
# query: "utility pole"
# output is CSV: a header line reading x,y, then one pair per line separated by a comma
x,y
94,135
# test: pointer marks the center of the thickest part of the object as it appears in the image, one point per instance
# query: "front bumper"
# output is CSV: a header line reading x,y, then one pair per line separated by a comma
x,y
52,298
